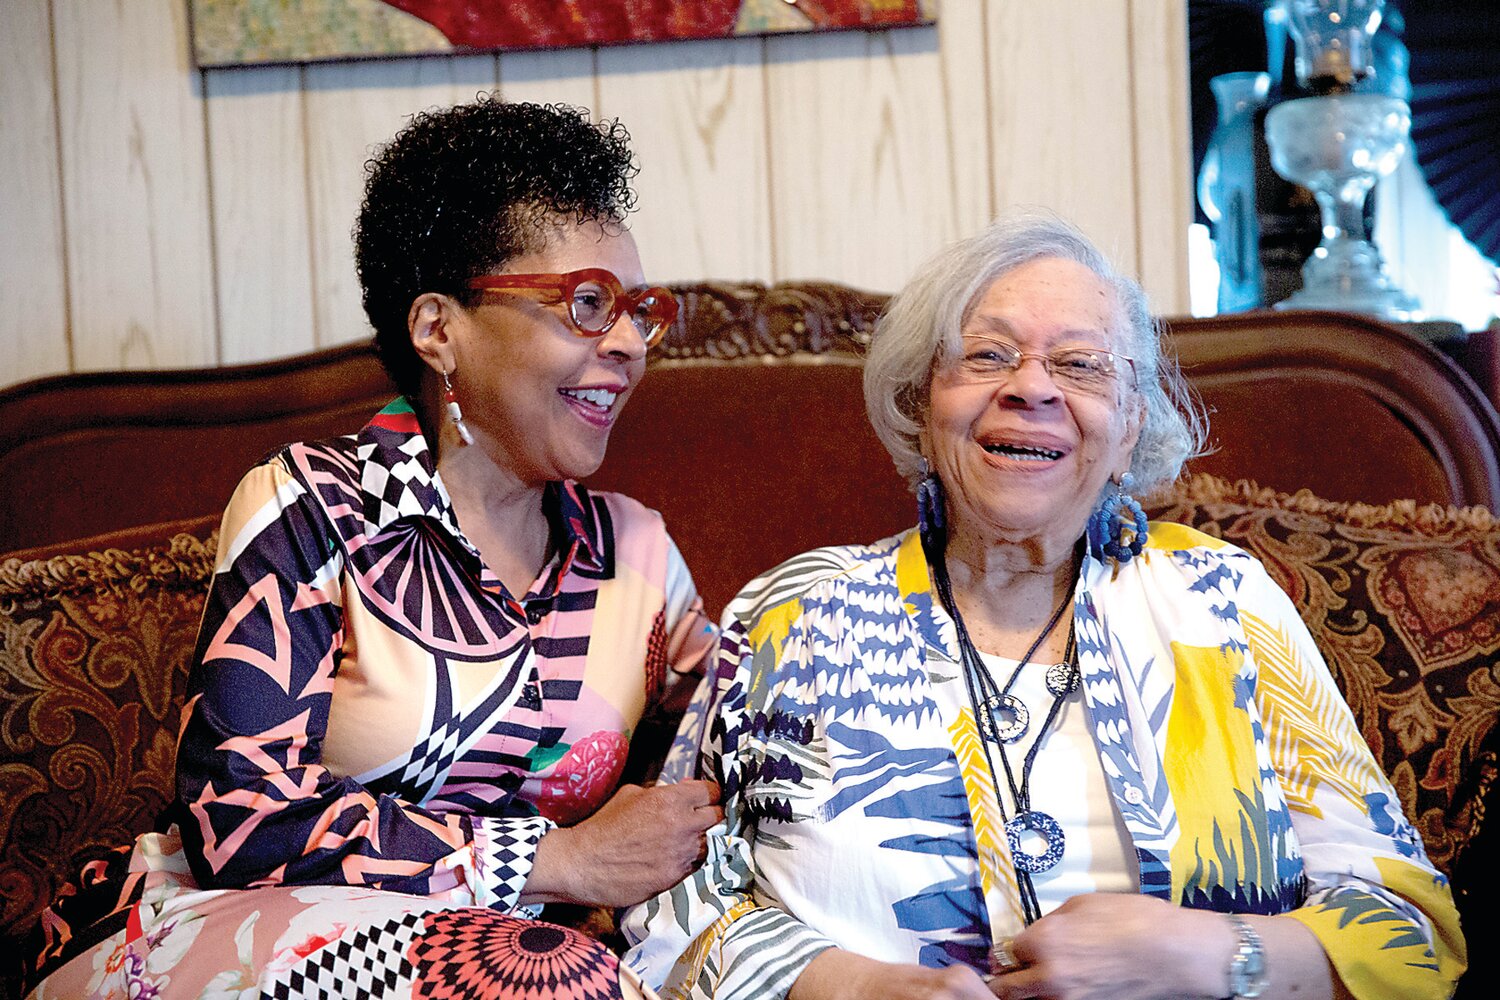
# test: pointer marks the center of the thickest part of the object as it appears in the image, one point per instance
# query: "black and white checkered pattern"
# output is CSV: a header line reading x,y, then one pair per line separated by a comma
x,y
506,848
368,963
401,489
433,756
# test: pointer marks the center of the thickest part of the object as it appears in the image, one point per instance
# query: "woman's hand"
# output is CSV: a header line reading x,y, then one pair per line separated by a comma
x,y
641,842
1117,946
837,974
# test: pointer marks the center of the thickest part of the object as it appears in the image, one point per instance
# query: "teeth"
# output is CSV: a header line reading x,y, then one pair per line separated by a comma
x,y
602,398
1025,453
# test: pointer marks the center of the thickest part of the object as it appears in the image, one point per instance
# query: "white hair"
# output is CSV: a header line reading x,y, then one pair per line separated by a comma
x,y
924,322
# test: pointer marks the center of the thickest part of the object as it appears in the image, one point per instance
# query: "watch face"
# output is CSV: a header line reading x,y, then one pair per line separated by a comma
x,y
1247,969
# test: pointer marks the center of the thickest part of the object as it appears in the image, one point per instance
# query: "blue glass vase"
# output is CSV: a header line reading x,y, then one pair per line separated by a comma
x,y
1226,188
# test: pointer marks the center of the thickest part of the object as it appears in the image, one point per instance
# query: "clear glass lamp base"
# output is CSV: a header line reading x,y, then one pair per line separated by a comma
x,y
1348,274
1338,146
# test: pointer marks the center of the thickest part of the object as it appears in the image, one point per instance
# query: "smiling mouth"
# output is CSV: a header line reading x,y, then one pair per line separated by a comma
x,y
604,399
1025,453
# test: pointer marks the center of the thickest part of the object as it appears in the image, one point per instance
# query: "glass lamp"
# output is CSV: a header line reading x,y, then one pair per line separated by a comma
x,y
1333,41
1338,144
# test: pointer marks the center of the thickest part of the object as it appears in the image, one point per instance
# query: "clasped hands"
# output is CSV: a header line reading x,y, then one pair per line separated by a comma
x,y
1096,946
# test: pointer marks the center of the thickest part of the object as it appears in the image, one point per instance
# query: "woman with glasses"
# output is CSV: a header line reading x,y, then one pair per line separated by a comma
x,y
426,646
1036,746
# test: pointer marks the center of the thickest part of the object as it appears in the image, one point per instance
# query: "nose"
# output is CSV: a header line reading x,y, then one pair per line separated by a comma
x,y
1031,384
623,340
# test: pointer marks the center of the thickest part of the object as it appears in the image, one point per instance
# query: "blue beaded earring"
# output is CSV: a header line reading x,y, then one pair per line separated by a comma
x,y
1118,513
930,517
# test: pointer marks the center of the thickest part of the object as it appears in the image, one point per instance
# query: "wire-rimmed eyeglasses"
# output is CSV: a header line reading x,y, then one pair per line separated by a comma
x,y
1084,369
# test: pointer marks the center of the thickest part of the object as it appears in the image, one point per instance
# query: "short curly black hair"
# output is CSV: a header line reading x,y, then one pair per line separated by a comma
x,y
461,190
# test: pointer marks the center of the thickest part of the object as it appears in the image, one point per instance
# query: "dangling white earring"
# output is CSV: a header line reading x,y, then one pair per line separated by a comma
x,y
455,414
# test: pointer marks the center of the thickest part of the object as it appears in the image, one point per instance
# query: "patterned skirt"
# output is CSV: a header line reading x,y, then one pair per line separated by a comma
x,y
140,929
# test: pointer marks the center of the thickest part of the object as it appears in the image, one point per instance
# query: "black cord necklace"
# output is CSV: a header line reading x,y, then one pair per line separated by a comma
x,y
1001,715
988,701
1027,818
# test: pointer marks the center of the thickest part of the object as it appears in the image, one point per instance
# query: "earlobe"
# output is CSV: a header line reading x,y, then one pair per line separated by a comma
x,y
428,323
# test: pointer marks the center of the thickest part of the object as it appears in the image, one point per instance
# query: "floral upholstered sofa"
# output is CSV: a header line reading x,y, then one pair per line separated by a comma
x,y
1378,462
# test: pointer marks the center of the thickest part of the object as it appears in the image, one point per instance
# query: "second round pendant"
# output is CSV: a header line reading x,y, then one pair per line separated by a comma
x,y
1062,679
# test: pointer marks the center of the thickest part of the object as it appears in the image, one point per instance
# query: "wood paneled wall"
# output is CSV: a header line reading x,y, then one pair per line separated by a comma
x,y
154,215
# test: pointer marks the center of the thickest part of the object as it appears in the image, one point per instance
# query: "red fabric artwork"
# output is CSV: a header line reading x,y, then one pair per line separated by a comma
x,y
860,13
480,953
556,23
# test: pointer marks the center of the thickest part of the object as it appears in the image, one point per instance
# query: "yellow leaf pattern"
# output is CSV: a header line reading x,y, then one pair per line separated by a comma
x,y
1312,739
995,864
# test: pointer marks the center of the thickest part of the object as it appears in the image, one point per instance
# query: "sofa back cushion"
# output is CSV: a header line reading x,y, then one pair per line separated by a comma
x,y
94,652
1404,602
775,458
1345,405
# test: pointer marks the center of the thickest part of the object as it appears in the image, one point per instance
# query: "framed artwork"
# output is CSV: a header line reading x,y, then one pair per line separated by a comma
x,y
238,32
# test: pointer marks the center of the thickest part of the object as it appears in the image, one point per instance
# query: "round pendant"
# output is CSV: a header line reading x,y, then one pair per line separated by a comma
x,y
1062,679
1004,718
1037,822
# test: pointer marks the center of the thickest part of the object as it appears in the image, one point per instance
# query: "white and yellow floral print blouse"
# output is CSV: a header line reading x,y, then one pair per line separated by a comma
x,y
859,812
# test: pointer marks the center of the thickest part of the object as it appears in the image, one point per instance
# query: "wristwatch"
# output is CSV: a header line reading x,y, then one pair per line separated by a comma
x,y
1247,966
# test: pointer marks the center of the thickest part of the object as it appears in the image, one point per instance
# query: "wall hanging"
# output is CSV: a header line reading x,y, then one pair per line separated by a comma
x,y
237,32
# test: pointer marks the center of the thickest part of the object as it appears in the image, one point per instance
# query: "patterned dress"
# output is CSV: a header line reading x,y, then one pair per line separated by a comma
x,y
860,812
376,737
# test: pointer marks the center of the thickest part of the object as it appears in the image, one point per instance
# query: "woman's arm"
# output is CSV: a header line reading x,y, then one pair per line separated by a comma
x,y
681,699
642,841
1138,947
710,936
836,974
261,809
690,635
1382,914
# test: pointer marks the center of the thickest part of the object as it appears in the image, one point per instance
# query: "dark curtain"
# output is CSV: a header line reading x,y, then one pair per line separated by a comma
x,y
1455,110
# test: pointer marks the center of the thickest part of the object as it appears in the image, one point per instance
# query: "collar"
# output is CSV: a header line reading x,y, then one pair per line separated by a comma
x,y
919,596
579,524
398,480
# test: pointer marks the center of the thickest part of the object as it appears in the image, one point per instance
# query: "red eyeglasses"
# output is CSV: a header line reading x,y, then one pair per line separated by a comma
x,y
595,299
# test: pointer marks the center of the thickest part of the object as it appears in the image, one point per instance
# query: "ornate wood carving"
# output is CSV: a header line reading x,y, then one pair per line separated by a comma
x,y
733,320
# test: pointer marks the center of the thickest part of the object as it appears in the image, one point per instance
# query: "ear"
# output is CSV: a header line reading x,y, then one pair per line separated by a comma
x,y
1135,420
431,321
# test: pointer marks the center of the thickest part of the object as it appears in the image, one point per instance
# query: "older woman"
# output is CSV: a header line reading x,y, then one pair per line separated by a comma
x,y
1034,748
426,645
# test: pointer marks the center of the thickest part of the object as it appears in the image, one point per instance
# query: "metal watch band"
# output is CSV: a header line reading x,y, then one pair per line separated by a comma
x,y
1247,966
